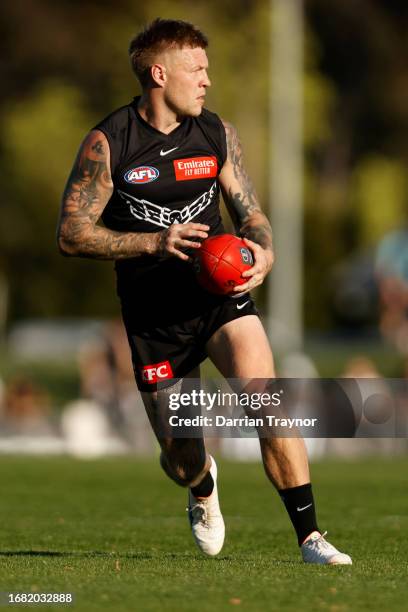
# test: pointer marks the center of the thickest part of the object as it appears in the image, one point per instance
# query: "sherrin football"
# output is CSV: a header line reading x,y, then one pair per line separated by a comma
x,y
220,262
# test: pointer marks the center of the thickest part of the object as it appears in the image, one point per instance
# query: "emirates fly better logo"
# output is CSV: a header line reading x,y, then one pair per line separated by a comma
x,y
193,168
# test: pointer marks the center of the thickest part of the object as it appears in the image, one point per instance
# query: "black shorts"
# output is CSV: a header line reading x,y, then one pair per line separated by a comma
x,y
168,329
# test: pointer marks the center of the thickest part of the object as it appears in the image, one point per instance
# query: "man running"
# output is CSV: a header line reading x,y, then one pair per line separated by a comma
x,y
152,171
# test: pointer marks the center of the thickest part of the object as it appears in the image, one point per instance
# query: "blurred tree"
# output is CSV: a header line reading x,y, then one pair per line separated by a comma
x,y
40,146
356,190
379,197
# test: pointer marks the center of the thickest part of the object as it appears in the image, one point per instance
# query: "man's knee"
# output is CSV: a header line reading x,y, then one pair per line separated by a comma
x,y
186,466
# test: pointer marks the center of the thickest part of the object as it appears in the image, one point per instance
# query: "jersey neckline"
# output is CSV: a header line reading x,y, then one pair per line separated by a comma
x,y
152,129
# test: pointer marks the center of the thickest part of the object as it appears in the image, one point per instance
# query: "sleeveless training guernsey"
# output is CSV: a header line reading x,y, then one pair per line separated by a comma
x,y
160,179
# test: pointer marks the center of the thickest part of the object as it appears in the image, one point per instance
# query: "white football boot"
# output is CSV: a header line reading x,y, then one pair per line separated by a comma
x,y
206,519
318,550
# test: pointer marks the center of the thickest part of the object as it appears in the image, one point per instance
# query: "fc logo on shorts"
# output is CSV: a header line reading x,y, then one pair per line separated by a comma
x,y
157,371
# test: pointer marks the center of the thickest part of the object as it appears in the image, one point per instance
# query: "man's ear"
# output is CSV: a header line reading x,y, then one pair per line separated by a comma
x,y
158,74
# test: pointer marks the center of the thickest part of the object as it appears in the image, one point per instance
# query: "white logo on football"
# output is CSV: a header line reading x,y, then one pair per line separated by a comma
x,y
168,151
163,216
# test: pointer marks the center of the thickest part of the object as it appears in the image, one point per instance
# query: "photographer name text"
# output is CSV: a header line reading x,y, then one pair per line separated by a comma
x,y
268,420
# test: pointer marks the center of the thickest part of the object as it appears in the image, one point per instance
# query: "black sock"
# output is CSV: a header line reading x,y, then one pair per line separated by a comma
x,y
299,503
205,488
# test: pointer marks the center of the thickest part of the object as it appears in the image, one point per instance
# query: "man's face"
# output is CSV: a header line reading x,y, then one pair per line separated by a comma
x,y
186,80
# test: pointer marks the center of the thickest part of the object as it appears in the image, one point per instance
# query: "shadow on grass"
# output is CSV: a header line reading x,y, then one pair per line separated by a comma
x,y
141,556
78,554
103,554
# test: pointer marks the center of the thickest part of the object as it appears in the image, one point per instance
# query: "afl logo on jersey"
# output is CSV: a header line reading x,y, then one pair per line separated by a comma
x,y
141,174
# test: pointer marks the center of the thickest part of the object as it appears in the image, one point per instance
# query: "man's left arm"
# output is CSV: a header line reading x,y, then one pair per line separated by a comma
x,y
243,205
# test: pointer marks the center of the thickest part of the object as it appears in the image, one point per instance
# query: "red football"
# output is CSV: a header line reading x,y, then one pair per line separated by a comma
x,y
220,261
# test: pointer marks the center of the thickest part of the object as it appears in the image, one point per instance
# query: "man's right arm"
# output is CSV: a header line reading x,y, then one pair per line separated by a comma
x,y
86,194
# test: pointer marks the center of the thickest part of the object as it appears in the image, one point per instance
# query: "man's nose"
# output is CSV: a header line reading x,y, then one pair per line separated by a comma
x,y
206,80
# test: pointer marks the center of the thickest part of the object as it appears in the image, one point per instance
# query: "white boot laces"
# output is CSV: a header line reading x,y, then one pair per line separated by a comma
x,y
199,512
320,543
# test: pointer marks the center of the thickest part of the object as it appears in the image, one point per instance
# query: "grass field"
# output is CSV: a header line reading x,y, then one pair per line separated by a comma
x,y
114,532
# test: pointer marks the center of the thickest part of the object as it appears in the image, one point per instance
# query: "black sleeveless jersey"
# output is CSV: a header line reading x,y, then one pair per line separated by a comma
x,y
161,179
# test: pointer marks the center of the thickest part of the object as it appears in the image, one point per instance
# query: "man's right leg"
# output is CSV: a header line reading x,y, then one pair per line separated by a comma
x,y
184,460
187,463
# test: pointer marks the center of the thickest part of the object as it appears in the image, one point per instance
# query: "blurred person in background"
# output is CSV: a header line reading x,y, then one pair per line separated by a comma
x,y
153,170
107,378
392,277
26,409
375,411
2,388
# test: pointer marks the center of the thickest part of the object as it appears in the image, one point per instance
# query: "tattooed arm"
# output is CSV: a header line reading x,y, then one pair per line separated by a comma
x,y
243,205
86,194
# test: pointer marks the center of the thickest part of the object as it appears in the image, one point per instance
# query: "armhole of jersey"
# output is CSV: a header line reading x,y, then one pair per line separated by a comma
x,y
224,143
214,130
221,141
113,161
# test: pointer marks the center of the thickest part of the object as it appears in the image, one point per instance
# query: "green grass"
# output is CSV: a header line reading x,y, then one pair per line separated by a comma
x,y
114,532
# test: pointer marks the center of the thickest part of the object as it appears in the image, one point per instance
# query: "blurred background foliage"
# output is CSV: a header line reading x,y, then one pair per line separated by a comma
x,y
64,66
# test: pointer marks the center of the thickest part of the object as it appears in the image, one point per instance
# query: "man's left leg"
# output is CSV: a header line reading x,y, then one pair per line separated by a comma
x,y
240,349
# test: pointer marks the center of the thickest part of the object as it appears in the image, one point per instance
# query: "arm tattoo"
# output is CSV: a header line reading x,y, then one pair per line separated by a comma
x,y
242,200
87,192
246,200
89,177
